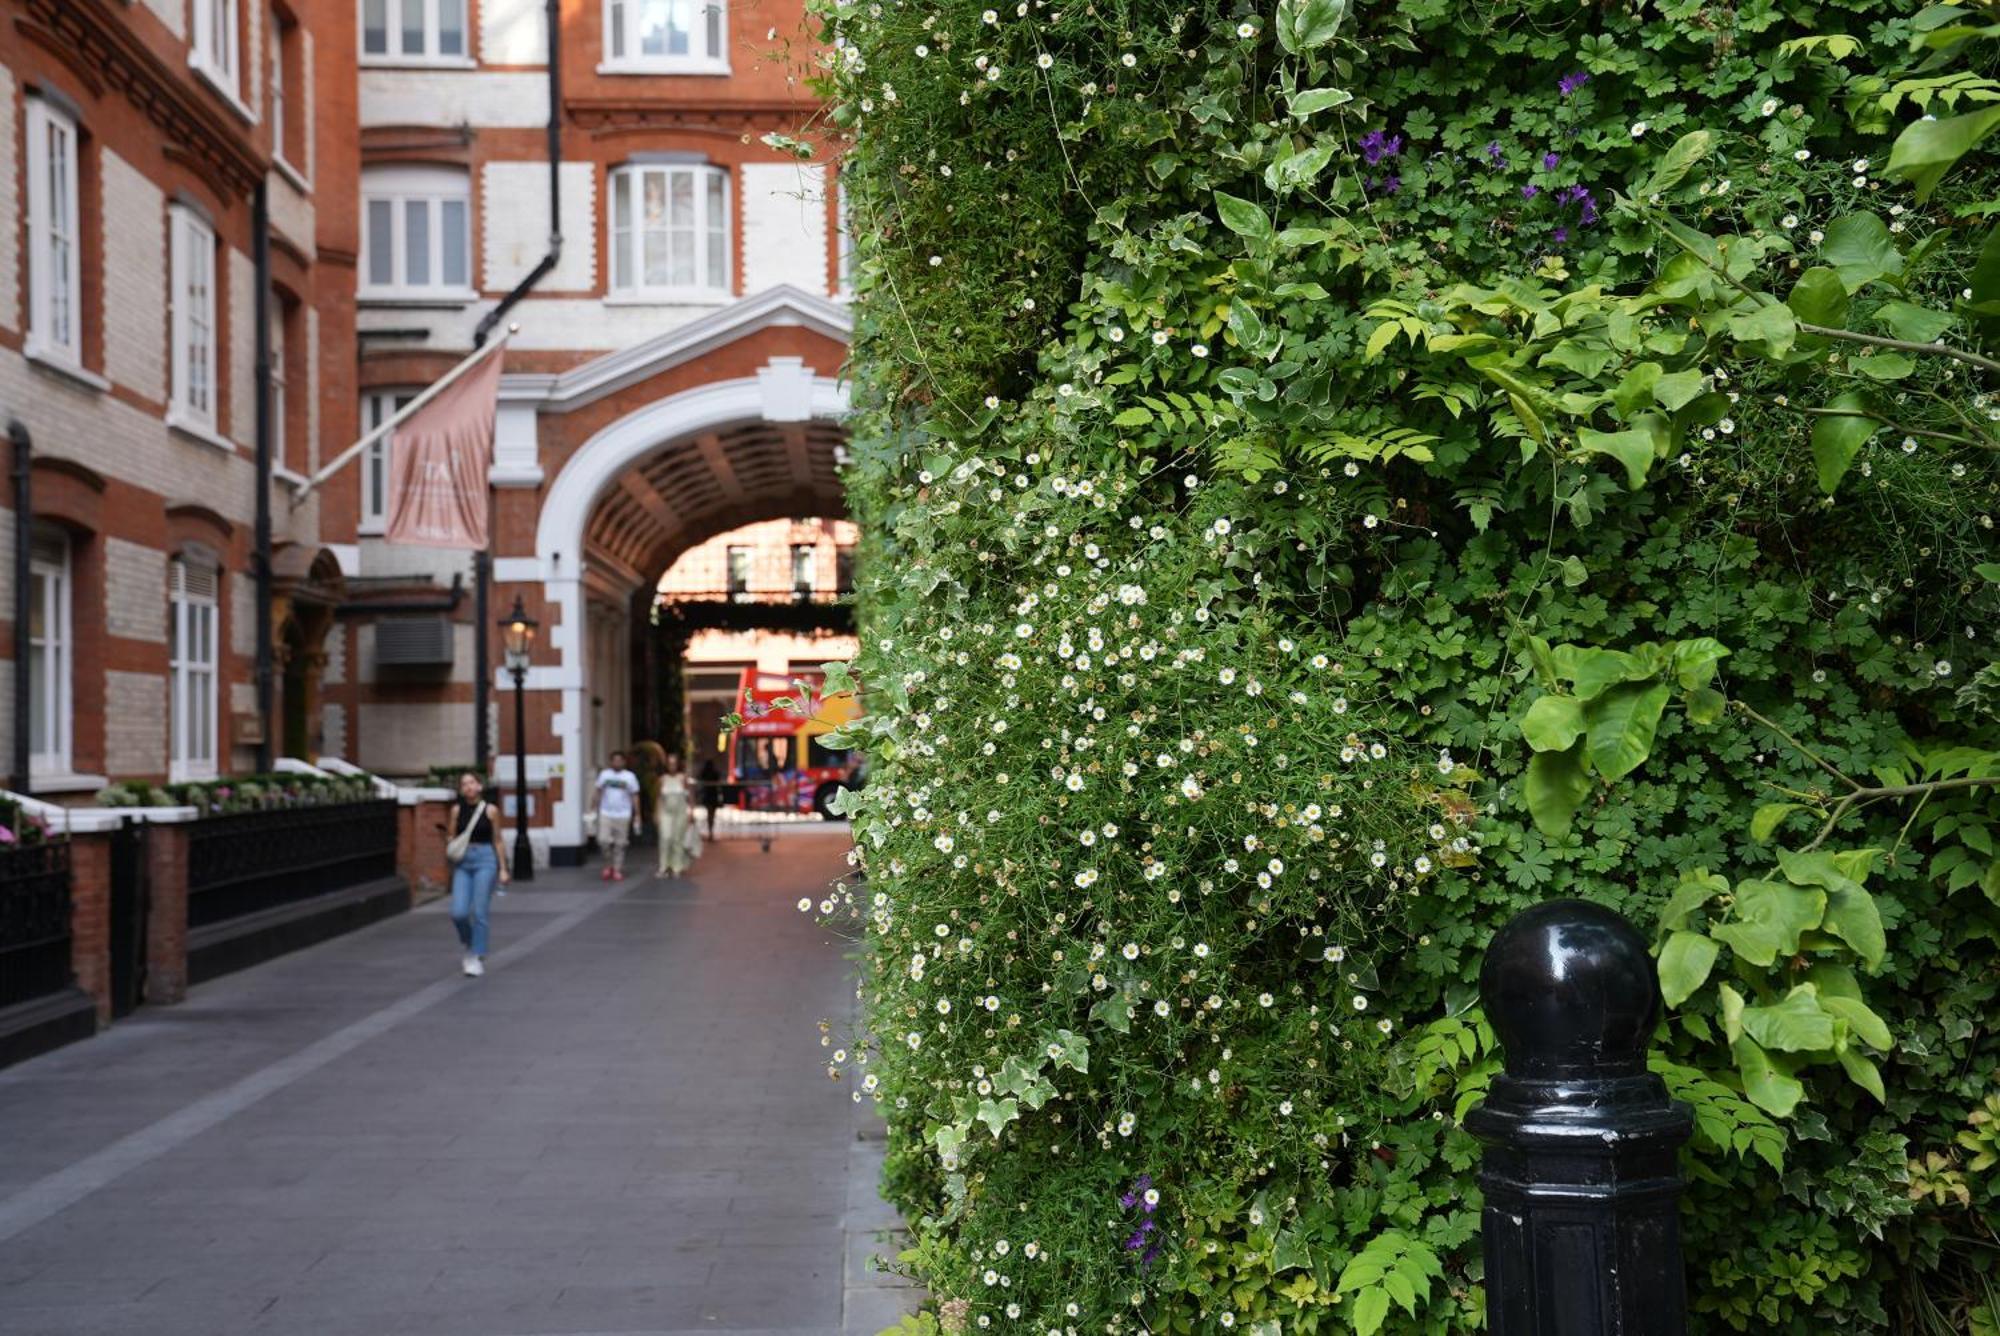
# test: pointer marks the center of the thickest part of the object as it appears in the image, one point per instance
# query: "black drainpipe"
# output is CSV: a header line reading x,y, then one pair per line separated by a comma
x,y
482,562
24,556
260,254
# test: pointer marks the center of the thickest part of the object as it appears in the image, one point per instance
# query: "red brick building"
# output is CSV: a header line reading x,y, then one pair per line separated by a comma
x,y
431,176
141,147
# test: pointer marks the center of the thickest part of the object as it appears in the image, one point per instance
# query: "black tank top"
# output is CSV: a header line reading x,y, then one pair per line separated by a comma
x,y
482,830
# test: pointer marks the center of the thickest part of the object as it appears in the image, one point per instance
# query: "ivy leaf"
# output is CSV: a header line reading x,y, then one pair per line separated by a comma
x,y
1819,298
1553,723
1838,437
1684,965
1305,24
1861,250
1555,787
1882,366
1301,168
1769,1088
1925,151
996,1114
1917,324
1290,1253
1623,724
1678,161
1768,918
1632,448
1793,1025
1695,660
1242,217
1768,818
1304,104
1678,389
1772,325
1861,1070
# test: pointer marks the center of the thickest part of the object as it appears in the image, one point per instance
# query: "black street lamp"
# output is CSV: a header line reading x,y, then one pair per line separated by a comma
x,y
519,631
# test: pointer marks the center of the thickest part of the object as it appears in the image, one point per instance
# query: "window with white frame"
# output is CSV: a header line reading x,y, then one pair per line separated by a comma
x,y
416,238
191,634
670,231
55,273
414,31
277,379
193,300
215,47
665,36
49,641
377,407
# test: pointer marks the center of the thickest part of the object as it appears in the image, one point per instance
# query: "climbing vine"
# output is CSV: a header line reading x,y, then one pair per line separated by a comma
x,y
1335,476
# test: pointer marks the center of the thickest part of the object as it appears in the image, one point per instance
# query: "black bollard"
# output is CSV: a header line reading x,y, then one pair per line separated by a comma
x,y
1582,1184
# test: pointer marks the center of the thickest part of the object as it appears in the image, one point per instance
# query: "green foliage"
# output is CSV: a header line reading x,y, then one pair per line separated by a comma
x,y
242,793
1337,475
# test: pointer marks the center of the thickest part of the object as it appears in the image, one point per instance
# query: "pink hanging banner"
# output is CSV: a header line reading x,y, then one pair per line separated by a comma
x,y
438,464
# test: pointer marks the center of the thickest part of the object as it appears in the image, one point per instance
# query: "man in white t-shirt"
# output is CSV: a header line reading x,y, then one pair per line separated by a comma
x,y
617,813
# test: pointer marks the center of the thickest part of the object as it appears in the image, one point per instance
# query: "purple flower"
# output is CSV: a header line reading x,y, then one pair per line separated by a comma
x,y
1391,184
1560,235
1494,155
1569,83
1378,144
1549,161
6,835
1530,191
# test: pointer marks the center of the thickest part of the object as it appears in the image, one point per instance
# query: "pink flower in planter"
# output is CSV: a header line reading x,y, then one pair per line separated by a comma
x,y
7,835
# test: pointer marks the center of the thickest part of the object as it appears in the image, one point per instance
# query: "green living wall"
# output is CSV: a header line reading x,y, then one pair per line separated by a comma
x,y
1334,477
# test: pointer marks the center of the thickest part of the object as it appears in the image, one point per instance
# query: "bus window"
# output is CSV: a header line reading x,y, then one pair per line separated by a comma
x,y
824,758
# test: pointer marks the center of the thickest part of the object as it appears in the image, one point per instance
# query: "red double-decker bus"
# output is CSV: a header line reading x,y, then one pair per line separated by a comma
x,y
778,761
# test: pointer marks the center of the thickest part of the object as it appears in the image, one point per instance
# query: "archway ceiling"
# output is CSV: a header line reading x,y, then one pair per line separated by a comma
x,y
712,482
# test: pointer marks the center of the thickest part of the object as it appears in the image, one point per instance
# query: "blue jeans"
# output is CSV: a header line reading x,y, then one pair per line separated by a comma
x,y
472,895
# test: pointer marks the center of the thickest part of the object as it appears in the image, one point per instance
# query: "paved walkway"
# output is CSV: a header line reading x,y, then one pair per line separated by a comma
x,y
624,1128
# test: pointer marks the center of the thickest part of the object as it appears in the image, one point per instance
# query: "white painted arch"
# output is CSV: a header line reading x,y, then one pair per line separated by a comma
x,y
785,390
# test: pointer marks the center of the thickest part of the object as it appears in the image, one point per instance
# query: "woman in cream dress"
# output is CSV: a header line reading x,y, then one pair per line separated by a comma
x,y
673,818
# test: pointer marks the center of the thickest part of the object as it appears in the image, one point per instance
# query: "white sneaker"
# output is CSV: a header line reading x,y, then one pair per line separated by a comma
x,y
474,966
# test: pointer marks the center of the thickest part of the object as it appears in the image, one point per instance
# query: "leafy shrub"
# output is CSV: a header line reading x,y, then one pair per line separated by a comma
x,y
243,793
20,828
1336,479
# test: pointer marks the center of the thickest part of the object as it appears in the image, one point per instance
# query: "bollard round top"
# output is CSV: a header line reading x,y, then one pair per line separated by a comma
x,y
1569,989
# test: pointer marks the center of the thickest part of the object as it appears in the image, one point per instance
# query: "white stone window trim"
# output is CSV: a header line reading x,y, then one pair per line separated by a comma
x,y
399,187
712,60
48,279
699,293
431,57
192,680
221,69
193,254
52,657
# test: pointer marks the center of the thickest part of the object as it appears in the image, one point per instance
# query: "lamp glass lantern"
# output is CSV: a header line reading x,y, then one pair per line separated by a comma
x,y
517,630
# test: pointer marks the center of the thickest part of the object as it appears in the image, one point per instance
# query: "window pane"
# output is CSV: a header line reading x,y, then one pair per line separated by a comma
x,y
714,51
413,27
655,186
621,230
451,27
456,272
682,271
617,29
417,243
375,27
653,22
381,242
683,199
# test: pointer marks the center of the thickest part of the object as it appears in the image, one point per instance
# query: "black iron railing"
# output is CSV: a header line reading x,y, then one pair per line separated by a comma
x,y
34,922
252,861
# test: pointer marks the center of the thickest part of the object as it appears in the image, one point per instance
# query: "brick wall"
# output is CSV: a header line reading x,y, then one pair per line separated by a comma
x,y
90,918
135,723
135,314
409,739
135,591
420,841
515,225
166,913
783,210
173,13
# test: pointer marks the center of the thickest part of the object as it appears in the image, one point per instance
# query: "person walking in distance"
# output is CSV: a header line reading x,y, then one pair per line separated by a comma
x,y
617,813
673,817
477,863
711,792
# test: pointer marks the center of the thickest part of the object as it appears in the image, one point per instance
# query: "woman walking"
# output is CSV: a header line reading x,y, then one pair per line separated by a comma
x,y
474,852
673,818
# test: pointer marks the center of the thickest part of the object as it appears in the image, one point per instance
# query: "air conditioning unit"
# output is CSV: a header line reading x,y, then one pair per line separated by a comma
x,y
413,642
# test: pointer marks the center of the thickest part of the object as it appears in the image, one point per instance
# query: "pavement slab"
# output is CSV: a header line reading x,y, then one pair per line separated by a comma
x,y
623,1129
